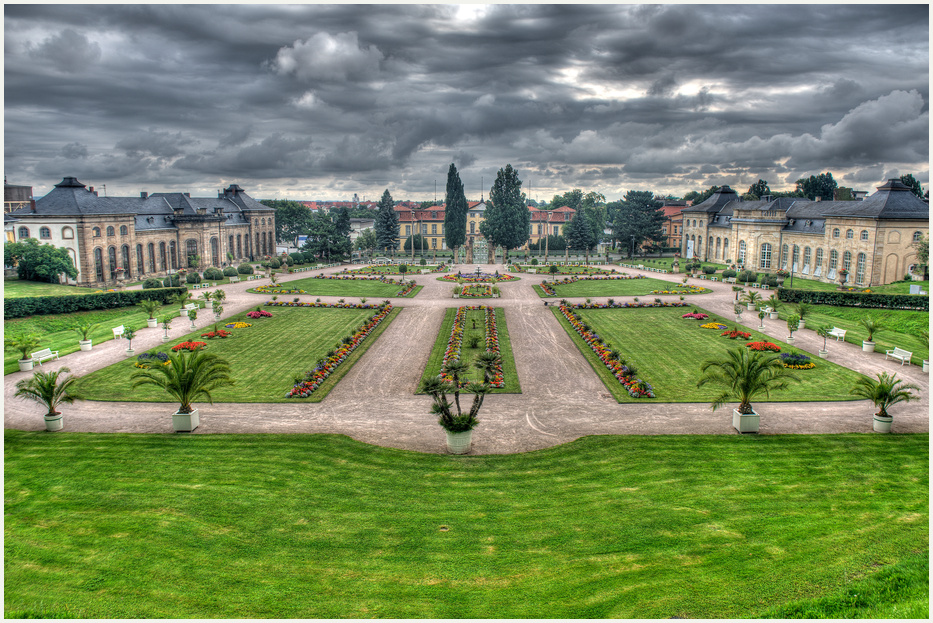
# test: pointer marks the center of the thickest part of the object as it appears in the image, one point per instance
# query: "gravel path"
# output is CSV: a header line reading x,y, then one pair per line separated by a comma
x,y
562,398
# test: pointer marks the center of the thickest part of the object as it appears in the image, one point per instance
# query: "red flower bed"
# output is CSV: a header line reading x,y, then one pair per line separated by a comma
x,y
192,346
217,333
259,314
764,346
695,315
735,334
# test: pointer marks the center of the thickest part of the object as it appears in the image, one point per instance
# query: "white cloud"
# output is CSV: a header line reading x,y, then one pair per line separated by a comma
x,y
329,57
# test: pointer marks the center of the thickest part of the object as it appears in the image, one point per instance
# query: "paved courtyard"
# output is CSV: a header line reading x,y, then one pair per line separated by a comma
x,y
562,399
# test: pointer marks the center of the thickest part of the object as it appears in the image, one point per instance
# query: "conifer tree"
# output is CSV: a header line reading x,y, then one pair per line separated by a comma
x,y
508,220
455,214
386,223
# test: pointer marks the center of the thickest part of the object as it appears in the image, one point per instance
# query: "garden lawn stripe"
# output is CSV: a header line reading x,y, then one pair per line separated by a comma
x,y
345,287
611,287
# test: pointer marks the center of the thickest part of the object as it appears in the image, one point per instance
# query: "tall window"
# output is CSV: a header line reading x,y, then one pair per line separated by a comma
x,y
725,249
408,230
110,230
863,235
214,252
836,232
833,259
434,229
847,261
819,258
540,229
230,246
23,232
850,234
239,245
125,259
173,254
191,249
162,261
45,232
795,258
99,263
741,251
860,269
784,256
424,229
718,247
112,256
472,227
152,262
806,258
765,256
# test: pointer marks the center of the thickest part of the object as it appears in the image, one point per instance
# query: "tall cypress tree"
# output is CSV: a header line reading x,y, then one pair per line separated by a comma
x,y
386,223
455,214
508,220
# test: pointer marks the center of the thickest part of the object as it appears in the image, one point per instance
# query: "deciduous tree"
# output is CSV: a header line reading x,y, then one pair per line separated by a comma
x,y
291,219
822,185
915,187
38,262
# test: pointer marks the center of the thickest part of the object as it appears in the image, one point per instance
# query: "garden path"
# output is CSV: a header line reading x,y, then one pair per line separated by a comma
x,y
562,398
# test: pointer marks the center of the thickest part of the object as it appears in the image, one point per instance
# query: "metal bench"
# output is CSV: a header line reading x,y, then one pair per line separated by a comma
x,y
839,334
899,353
42,355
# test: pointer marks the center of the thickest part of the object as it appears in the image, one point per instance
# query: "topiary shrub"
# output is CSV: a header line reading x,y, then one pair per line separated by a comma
x,y
534,261
213,274
244,269
193,278
172,281
297,258
709,270
151,283
769,280
748,276
230,271
728,274
274,263
309,257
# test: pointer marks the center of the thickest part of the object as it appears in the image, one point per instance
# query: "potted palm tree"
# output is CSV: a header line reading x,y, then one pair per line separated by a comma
x,y
84,331
803,308
823,332
751,299
886,392
25,344
129,333
50,389
793,322
188,377
220,295
150,307
872,324
774,303
761,318
743,375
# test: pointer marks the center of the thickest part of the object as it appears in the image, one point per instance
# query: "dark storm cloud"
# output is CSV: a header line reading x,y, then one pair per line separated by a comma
x,y
316,99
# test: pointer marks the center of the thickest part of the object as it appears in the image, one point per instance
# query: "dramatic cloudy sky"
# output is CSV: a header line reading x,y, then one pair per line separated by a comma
x,y
321,101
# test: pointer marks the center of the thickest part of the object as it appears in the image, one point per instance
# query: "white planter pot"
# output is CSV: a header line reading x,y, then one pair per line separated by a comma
x,y
85,345
773,315
789,340
745,422
192,325
868,347
926,365
165,338
802,325
130,352
185,422
216,316
456,296
882,424
152,322
750,306
53,423
459,443
25,365
824,354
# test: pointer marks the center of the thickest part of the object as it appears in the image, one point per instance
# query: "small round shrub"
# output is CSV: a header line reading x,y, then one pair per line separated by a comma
x,y
274,263
728,274
244,269
297,258
151,283
770,280
213,274
534,261
709,270
193,278
172,281
309,257
749,276
230,271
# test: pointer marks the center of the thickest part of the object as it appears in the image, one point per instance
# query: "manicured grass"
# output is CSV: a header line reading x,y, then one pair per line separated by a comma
x,y
904,327
543,269
264,358
15,288
347,287
56,329
898,287
321,526
667,352
614,287
391,269
469,355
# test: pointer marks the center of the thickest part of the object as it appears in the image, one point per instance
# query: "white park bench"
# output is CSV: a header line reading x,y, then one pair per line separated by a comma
x,y
42,355
839,334
189,307
234,280
425,271
118,332
899,353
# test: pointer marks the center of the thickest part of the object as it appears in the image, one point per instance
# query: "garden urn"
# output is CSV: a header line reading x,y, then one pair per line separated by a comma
x,y
185,422
745,422
459,443
152,322
868,347
25,365
53,422
882,423
85,345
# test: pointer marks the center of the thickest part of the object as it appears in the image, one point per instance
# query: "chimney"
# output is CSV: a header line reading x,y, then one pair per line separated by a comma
x,y
32,205
91,190
188,195
143,194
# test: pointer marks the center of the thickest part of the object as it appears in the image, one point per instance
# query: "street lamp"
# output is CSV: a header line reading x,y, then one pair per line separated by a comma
x,y
632,254
412,235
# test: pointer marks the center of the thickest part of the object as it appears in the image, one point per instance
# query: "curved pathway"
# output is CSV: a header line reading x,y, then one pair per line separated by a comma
x,y
562,398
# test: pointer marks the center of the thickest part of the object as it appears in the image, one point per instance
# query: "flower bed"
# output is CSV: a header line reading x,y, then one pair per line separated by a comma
x,y
543,269
636,387
696,316
218,333
270,289
147,360
308,304
259,313
480,278
735,334
547,289
764,346
314,378
687,290
455,343
192,346
476,291
797,361
714,325
237,325
628,305
406,290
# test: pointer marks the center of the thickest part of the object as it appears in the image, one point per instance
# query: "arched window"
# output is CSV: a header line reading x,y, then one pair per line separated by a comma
x,y
23,232
99,263
140,263
784,256
191,249
850,234
96,231
68,233
125,263
806,259
152,261
263,222
795,258
833,259
112,257
163,263
918,236
847,261
718,247
741,251
110,230
765,256
173,254
836,232
230,246
239,245
124,231
258,246
45,233
725,249
860,269
214,252
863,235
246,245
819,258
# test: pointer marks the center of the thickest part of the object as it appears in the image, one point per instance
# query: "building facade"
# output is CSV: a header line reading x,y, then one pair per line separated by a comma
x,y
873,240
150,235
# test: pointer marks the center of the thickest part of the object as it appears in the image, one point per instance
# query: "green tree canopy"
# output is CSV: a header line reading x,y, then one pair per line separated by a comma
x,y
455,214
508,220
915,187
638,215
291,219
38,262
822,185
366,240
325,238
386,223
698,197
759,189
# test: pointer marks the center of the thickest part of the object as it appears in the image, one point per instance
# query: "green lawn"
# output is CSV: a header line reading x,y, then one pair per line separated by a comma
x,y
264,358
347,287
615,287
14,288
898,287
321,526
391,269
904,327
543,269
56,329
667,351
468,354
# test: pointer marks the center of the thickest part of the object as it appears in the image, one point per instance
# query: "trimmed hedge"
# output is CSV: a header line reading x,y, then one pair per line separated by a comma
x,y
44,305
709,270
728,274
297,258
856,299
